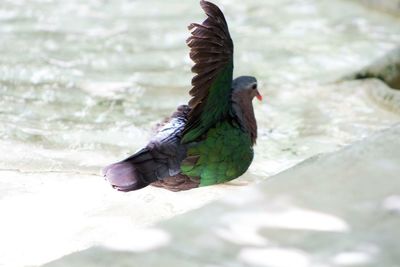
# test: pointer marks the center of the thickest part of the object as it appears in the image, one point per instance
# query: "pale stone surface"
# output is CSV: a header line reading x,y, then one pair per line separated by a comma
x,y
337,209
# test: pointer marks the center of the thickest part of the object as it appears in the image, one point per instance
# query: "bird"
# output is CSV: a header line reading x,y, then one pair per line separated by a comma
x,y
210,139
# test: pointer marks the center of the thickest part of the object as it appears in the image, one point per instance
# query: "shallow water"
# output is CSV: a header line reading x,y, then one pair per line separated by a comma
x,y
83,83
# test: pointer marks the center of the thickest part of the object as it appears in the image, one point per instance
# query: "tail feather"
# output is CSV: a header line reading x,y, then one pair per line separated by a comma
x,y
137,171
124,176
140,156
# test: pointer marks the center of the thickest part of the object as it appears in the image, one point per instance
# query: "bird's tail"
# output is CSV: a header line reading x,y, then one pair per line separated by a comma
x,y
161,158
135,172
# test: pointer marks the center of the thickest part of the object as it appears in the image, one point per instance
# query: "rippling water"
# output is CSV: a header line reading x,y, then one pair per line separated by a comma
x,y
83,82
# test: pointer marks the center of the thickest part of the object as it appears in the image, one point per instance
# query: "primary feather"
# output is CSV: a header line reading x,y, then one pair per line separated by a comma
x,y
211,49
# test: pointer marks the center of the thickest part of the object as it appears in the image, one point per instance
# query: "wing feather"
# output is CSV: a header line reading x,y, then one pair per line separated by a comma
x,y
211,49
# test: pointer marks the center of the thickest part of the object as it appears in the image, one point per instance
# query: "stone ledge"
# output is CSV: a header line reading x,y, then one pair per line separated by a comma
x,y
336,209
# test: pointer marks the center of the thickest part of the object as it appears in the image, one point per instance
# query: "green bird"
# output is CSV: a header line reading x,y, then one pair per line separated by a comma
x,y
210,140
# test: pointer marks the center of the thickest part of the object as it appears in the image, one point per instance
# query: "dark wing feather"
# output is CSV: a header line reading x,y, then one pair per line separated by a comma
x,y
211,49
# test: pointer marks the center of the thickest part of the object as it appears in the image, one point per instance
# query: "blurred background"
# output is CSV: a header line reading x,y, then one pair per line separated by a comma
x,y
83,83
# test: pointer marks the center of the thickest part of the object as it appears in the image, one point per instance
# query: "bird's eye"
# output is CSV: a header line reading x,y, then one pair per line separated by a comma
x,y
254,86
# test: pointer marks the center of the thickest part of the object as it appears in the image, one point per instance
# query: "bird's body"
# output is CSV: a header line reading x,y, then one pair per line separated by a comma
x,y
208,141
223,155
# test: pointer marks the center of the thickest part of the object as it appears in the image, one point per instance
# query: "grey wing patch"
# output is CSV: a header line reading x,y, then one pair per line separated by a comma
x,y
166,145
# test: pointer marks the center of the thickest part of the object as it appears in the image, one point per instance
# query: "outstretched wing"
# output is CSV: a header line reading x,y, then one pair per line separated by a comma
x,y
211,49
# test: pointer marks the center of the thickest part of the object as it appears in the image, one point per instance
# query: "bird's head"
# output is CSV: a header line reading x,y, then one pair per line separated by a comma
x,y
246,85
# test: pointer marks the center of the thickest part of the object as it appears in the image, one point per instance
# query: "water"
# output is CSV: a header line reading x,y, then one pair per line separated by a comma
x,y
83,83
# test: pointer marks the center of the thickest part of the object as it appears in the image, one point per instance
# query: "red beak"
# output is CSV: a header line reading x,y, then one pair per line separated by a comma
x,y
259,96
